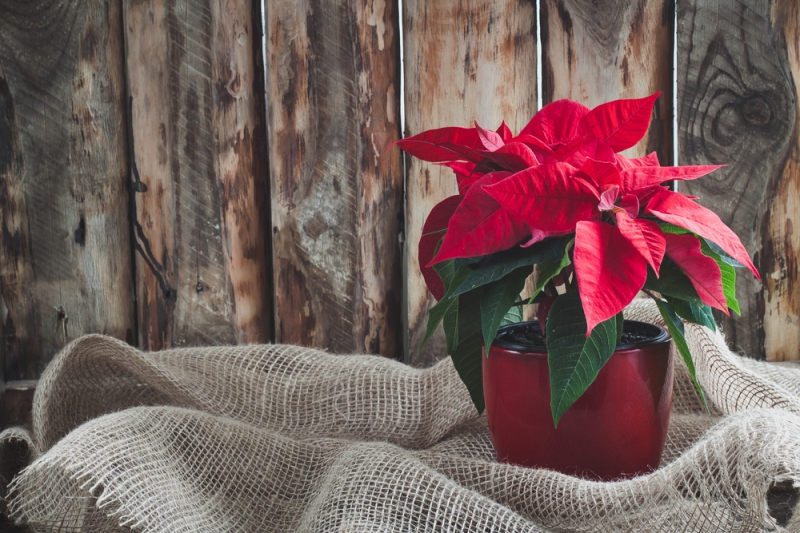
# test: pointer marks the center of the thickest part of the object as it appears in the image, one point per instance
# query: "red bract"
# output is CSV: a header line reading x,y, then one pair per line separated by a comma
x,y
547,197
504,132
562,175
490,139
621,123
432,233
609,268
636,178
443,144
465,174
680,210
702,271
556,123
645,236
479,225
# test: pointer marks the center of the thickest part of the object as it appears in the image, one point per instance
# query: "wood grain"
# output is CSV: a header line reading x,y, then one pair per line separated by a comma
x,y
333,95
65,264
198,172
594,52
464,61
738,97
241,161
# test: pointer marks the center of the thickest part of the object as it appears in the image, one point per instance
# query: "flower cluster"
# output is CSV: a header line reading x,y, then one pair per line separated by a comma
x,y
563,174
560,196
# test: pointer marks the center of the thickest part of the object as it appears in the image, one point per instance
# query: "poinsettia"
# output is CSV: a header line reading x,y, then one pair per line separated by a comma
x,y
560,196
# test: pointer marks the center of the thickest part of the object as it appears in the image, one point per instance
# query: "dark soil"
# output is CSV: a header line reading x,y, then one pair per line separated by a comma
x,y
529,335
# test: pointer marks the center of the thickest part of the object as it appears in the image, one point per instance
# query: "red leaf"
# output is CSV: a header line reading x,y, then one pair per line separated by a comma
x,y
437,221
480,226
635,178
504,132
520,150
596,150
441,144
543,310
621,123
547,197
630,204
542,150
610,271
650,160
565,151
490,140
608,198
644,195
677,209
605,175
465,174
556,123
702,271
645,236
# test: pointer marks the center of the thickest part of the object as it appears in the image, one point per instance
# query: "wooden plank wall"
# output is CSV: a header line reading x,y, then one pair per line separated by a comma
x,y
333,93
198,172
157,186
65,255
738,74
597,52
464,61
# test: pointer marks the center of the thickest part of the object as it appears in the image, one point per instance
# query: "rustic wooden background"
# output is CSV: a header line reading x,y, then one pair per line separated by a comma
x,y
167,180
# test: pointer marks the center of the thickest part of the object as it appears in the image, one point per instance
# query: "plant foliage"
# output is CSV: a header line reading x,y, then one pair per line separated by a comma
x,y
560,197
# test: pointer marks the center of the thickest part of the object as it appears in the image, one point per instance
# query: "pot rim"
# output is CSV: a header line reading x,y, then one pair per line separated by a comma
x,y
662,336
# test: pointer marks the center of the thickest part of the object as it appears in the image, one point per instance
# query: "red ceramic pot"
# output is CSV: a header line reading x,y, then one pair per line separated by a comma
x,y
616,430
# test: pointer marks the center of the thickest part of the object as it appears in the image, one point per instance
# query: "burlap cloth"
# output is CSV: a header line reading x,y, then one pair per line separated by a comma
x,y
281,438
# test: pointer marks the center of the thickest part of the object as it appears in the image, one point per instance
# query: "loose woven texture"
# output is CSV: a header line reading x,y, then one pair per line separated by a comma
x,y
280,439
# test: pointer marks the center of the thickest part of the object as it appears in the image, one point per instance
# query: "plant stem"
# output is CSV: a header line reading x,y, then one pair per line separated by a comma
x,y
651,295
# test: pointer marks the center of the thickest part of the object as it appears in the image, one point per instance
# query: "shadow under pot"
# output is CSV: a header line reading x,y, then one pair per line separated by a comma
x,y
616,430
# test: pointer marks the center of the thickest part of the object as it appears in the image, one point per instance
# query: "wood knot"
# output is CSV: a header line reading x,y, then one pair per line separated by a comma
x,y
756,111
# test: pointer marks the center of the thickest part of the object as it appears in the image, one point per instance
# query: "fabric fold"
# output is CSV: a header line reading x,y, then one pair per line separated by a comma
x,y
282,438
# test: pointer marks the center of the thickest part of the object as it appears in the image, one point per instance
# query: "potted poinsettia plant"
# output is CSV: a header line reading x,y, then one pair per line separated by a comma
x,y
599,228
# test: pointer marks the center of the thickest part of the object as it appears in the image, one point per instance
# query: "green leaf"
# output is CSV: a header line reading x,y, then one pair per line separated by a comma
x,y
498,297
672,282
499,265
435,316
691,312
452,277
549,270
573,358
728,276
513,316
450,326
620,328
675,327
465,261
465,346
666,227
723,255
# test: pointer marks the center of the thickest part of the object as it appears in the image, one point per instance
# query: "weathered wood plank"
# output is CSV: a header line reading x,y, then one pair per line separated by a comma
x,y
241,161
17,403
198,172
737,91
333,96
596,52
65,264
464,61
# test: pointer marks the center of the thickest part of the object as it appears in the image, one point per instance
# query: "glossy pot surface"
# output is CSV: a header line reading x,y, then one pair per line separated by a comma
x,y
616,430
